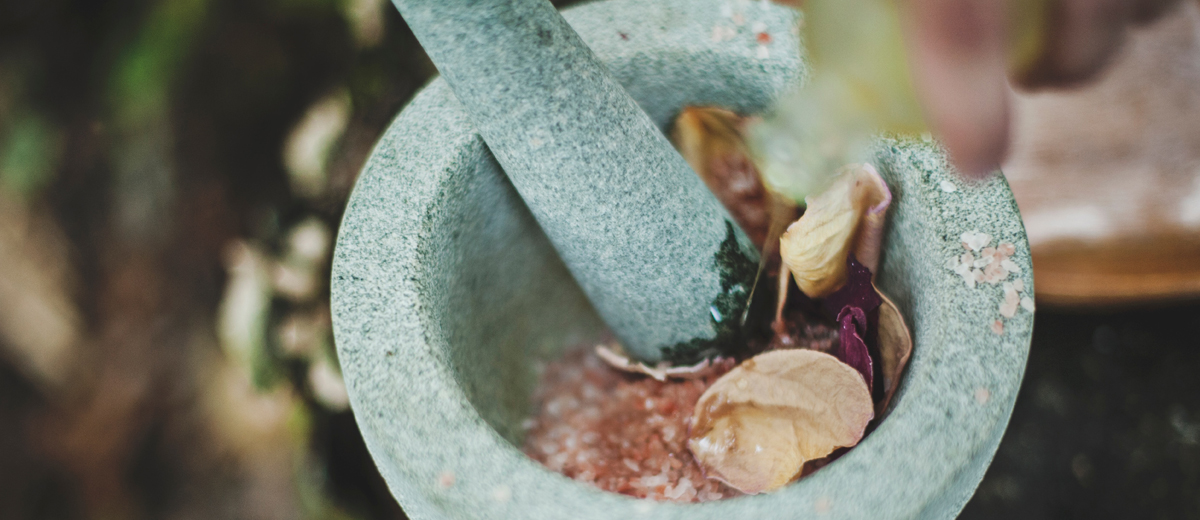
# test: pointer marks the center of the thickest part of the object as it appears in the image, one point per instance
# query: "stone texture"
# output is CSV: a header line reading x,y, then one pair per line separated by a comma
x,y
447,297
649,244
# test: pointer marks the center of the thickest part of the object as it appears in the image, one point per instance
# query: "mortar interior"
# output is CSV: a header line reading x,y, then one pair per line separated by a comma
x,y
510,303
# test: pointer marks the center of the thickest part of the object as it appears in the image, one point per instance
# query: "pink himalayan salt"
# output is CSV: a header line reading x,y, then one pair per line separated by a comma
x,y
624,433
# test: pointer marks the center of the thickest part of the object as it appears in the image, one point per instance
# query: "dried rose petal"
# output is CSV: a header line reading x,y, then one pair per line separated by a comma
x,y
616,357
847,217
858,291
895,347
711,141
853,349
869,242
756,426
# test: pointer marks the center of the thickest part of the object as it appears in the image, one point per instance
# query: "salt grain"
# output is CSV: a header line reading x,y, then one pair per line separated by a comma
x,y
722,33
947,186
502,493
975,240
1010,294
1019,285
982,395
1008,309
1010,266
994,273
998,327
1027,303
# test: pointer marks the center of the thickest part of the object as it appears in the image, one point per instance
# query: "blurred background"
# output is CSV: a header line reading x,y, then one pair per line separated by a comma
x,y
172,173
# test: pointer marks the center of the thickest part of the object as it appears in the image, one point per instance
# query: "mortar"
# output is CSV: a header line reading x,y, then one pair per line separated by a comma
x,y
447,297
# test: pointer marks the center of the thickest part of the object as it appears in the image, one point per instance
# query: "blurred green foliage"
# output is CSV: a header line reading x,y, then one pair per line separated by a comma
x,y
28,154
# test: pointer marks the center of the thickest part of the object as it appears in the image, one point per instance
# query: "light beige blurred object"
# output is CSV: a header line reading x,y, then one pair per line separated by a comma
x,y
306,151
39,323
1108,176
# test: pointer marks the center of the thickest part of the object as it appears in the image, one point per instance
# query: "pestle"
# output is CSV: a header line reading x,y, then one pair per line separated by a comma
x,y
658,256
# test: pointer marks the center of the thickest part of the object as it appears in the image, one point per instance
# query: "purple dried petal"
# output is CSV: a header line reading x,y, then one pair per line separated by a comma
x,y
857,292
853,349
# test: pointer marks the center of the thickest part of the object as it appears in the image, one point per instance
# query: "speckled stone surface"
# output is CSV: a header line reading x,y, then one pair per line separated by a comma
x,y
447,296
656,253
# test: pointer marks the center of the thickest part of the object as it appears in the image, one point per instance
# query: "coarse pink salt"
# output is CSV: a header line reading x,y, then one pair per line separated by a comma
x,y
627,434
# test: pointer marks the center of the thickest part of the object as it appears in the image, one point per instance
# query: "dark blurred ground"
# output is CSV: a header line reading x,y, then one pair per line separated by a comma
x,y
1107,424
151,188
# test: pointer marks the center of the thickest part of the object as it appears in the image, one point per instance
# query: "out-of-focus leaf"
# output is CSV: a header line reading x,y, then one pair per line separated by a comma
x,y
243,313
895,347
29,154
308,146
860,86
852,347
366,20
757,425
40,325
143,75
815,248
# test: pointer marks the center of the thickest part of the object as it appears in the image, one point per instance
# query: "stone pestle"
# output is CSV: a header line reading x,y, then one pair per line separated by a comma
x,y
658,256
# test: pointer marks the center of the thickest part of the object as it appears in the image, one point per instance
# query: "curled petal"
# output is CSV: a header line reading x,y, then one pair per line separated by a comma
x,y
870,234
846,218
616,357
853,349
895,347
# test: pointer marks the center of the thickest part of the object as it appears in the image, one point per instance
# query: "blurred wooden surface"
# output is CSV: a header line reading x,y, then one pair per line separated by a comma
x,y
1108,176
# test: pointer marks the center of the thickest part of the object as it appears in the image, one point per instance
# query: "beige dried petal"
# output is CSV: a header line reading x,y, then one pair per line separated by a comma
x,y
616,357
869,243
711,141
895,347
847,217
757,425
